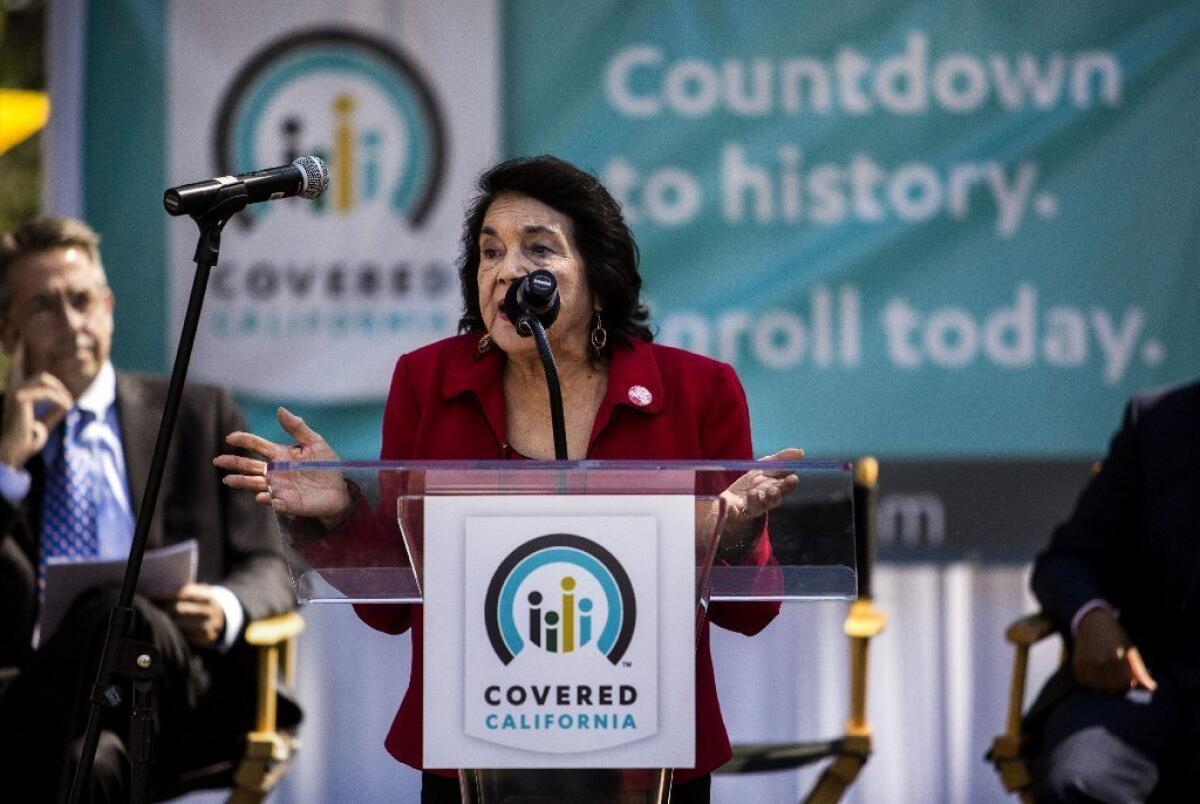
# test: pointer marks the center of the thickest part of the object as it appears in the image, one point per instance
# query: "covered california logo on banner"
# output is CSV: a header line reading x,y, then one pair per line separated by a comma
x,y
367,270
353,100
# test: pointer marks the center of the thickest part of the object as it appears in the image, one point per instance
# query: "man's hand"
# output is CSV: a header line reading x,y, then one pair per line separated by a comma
x,y
33,406
1105,659
199,615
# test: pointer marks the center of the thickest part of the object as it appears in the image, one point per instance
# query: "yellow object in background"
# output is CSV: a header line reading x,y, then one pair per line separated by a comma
x,y
23,112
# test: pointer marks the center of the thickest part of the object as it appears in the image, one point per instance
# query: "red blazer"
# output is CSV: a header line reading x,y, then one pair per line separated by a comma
x,y
661,403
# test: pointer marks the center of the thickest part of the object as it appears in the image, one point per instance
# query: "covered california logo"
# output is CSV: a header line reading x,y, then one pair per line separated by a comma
x,y
560,594
353,100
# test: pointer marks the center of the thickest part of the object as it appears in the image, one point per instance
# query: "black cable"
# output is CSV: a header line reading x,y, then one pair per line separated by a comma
x,y
532,323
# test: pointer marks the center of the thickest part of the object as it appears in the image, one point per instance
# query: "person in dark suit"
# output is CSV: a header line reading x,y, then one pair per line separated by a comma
x,y
1121,581
76,439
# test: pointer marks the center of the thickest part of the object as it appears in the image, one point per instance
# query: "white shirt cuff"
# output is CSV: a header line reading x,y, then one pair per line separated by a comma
x,y
235,616
14,484
1094,603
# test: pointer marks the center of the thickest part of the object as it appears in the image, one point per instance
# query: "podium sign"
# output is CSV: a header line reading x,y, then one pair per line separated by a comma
x,y
555,628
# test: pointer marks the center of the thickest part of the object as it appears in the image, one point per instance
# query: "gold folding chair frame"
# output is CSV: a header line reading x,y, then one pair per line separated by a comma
x,y
851,751
1006,750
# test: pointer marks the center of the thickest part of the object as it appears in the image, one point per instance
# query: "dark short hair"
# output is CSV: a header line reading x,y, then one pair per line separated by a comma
x,y
43,234
610,257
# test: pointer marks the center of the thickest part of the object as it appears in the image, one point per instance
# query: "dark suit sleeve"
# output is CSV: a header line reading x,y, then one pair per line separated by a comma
x,y
255,569
726,436
18,594
9,518
1087,553
18,582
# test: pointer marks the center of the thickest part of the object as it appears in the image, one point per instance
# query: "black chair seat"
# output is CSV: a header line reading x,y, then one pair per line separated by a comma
x,y
760,757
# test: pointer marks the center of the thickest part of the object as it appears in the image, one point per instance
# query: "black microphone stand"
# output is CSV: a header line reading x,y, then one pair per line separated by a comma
x,y
123,655
528,324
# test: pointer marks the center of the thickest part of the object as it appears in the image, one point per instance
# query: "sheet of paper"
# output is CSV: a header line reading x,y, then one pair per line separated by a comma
x,y
164,570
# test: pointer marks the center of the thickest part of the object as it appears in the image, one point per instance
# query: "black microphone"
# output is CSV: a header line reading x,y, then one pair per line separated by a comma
x,y
535,294
307,177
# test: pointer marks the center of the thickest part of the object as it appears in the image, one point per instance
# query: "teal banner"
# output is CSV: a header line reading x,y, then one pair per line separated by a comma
x,y
947,229
940,229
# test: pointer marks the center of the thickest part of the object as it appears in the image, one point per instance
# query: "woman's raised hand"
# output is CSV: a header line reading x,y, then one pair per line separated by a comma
x,y
320,494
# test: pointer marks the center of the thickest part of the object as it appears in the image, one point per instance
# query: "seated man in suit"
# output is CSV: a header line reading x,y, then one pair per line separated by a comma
x,y
76,439
1121,581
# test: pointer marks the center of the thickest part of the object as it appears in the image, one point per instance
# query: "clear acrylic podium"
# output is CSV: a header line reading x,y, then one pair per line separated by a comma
x,y
378,555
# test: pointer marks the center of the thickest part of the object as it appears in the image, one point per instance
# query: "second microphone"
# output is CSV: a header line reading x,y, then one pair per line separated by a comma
x,y
307,177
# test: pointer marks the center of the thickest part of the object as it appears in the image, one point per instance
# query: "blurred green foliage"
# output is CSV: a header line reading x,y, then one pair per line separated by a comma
x,y
22,33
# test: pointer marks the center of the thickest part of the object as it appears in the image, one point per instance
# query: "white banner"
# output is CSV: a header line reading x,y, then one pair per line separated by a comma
x,y
314,300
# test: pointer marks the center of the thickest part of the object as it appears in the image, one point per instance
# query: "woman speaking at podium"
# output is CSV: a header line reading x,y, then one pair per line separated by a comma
x,y
482,395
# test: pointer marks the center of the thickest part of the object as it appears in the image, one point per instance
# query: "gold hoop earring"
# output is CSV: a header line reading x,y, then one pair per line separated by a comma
x,y
485,343
599,336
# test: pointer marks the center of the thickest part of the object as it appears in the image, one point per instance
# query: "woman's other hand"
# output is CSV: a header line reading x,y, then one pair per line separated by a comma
x,y
752,495
758,491
319,494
